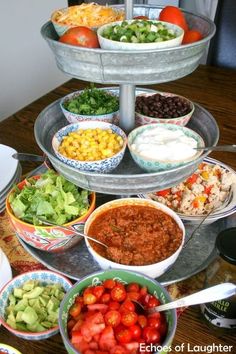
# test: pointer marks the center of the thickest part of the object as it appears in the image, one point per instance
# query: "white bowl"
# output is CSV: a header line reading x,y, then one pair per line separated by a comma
x,y
116,45
226,210
152,270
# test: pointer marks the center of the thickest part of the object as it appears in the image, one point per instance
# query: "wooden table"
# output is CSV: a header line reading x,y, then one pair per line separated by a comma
x,y
215,90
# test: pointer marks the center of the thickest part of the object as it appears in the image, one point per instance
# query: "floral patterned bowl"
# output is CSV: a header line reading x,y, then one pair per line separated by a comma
x,y
125,277
141,119
49,238
44,277
112,117
7,349
102,166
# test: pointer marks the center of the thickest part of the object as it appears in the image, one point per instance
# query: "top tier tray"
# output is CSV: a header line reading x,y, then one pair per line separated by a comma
x,y
139,67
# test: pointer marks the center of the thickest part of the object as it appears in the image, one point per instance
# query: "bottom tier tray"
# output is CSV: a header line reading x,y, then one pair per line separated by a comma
x,y
127,178
77,262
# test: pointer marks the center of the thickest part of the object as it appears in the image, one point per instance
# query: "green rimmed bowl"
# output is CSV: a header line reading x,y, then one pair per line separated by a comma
x,y
156,165
123,276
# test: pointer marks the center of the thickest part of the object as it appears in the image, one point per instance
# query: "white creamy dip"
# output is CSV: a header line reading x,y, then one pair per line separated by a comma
x,y
161,144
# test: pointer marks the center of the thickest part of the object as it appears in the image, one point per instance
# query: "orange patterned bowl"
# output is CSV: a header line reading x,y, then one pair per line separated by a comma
x,y
49,238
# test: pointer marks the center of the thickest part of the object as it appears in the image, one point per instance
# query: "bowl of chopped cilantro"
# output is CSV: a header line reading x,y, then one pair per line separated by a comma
x,y
50,197
139,35
100,104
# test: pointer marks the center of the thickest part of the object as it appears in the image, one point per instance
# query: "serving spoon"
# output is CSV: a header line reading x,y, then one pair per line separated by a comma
x,y
230,148
50,223
214,293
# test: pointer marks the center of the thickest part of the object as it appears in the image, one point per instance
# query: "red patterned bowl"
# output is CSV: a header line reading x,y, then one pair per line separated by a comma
x,y
141,119
49,238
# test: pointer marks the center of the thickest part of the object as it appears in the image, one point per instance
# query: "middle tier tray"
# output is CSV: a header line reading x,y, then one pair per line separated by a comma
x,y
128,178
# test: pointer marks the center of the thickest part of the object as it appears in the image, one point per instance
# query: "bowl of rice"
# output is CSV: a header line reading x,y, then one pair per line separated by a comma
x,y
210,190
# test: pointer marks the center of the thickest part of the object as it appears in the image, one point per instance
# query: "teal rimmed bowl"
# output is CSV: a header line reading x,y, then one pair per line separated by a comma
x,y
151,164
126,277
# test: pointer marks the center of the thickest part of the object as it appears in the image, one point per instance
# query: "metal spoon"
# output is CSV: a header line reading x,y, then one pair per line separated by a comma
x,y
46,222
214,293
230,148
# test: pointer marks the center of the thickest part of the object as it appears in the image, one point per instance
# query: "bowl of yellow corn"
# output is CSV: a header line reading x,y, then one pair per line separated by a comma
x,y
90,146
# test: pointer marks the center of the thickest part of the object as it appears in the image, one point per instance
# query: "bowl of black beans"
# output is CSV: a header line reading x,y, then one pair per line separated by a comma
x,y
162,107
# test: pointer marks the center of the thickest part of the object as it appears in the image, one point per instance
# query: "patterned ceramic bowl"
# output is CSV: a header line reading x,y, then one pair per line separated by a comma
x,y
141,119
112,117
44,277
103,166
109,44
125,277
49,238
152,270
154,165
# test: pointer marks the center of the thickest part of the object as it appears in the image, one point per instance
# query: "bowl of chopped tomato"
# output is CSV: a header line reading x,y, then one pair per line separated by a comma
x,y
98,315
140,234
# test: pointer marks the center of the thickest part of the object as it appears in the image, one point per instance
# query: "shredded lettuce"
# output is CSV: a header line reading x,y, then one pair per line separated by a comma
x,y
51,197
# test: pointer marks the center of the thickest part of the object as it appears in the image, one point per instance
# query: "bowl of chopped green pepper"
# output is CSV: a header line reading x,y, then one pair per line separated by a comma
x,y
100,104
30,302
139,35
54,199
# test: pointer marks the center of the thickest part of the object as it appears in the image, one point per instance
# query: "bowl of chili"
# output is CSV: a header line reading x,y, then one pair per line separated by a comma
x,y
93,314
141,235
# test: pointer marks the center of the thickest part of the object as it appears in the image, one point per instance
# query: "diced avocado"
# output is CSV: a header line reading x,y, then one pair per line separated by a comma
x,y
11,317
12,299
21,326
21,305
43,301
19,316
32,302
47,324
42,314
10,309
30,285
11,323
18,293
36,327
29,315
53,317
33,293
53,304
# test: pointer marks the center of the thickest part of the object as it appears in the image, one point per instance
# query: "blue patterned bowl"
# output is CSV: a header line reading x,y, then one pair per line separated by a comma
x,y
112,117
126,277
154,165
44,277
103,166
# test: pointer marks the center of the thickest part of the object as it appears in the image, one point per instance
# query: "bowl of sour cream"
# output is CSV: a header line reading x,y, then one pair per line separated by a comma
x,y
162,147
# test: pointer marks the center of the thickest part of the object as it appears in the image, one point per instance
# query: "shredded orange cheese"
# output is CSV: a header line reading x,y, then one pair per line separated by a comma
x,y
89,15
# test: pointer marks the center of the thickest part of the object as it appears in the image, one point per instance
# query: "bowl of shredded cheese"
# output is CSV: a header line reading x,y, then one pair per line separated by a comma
x,y
90,15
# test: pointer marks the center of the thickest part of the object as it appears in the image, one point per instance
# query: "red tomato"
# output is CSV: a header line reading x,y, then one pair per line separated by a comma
x,y
98,291
105,298
129,318
192,179
151,335
75,309
173,15
92,325
89,299
163,329
143,291
114,305
118,293
142,320
118,349
153,301
135,331
154,322
112,318
109,284
163,193
192,36
98,307
133,296
123,335
133,287
141,18
80,36
127,305
207,189
107,340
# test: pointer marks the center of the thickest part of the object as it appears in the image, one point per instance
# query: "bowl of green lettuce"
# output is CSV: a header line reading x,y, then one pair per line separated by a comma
x,y
52,198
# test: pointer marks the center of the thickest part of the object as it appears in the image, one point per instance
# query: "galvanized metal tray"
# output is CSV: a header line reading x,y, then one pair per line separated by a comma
x,y
128,178
77,261
133,67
